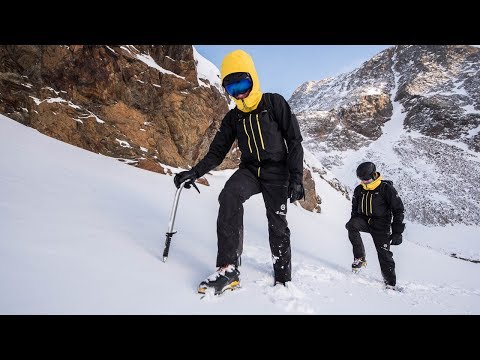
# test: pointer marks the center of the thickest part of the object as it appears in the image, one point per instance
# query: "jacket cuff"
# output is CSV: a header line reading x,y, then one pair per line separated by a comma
x,y
296,178
398,228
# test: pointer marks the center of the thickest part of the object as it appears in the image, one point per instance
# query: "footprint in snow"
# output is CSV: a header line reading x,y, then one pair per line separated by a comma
x,y
288,297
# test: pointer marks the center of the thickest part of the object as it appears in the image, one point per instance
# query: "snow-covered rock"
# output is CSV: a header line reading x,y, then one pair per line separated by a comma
x,y
415,112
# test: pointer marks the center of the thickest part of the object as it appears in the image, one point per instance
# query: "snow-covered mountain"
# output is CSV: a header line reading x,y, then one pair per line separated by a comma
x,y
81,233
415,112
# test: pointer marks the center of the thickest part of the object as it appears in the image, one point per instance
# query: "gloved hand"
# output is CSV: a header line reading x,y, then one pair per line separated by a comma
x,y
396,239
184,176
295,192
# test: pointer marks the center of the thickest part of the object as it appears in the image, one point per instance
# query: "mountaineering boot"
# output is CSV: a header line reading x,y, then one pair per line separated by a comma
x,y
358,263
226,277
393,287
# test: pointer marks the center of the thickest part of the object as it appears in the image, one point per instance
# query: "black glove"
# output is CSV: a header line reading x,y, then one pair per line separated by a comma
x,y
396,239
184,176
295,192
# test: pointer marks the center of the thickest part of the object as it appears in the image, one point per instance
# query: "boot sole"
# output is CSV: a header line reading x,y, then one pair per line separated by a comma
x,y
232,286
356,270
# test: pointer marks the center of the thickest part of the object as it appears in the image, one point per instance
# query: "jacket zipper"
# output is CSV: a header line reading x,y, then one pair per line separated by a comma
x,y
371,209
248,136
260,132
363,197
255,142
244,105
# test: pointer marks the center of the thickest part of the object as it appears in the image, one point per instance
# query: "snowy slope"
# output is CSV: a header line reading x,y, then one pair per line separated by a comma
x,y
206,70
81,233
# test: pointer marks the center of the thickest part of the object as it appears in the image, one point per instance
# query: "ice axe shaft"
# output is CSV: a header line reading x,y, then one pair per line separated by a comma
x,y
173,213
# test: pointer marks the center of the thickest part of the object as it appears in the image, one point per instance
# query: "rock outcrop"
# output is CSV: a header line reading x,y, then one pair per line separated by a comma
x,y
130,102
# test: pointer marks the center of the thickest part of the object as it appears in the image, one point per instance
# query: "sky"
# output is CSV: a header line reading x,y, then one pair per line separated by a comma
x,y
283,68
82,233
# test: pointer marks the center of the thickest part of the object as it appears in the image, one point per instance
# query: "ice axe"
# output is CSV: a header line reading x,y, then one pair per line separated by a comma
x,y
170,231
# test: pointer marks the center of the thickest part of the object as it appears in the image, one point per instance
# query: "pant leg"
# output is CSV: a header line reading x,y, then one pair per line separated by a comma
x,y
275,197
385,256
354,226
238,188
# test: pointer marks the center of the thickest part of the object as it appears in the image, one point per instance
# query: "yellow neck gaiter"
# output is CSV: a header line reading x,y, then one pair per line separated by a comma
x,y
373,185
240,61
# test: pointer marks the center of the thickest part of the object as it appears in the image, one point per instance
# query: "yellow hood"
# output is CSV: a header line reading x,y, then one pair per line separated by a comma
x,y
240,61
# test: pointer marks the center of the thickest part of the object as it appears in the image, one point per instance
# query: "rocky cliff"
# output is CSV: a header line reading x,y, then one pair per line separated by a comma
x,y
145,104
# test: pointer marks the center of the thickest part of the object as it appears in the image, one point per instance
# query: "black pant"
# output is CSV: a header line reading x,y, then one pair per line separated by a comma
x,y
238,188
382,245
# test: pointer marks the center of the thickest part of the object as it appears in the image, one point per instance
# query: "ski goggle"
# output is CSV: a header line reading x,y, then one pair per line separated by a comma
x,y
239,87
365,177
366,181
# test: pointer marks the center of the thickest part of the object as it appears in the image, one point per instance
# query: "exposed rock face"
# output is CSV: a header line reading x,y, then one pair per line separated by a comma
x,y
130,102
312,199
415,112
145,105
438,87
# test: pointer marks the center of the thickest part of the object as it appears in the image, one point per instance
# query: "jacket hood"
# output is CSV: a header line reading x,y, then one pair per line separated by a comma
x,y
240,61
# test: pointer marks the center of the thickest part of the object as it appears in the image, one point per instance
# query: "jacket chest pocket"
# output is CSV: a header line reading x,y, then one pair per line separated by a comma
x,y
371,203
380,206
271,134
251,134
366,203
244,135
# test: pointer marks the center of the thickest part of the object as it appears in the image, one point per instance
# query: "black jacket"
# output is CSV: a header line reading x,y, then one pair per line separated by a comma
x,y
379,206
268,135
